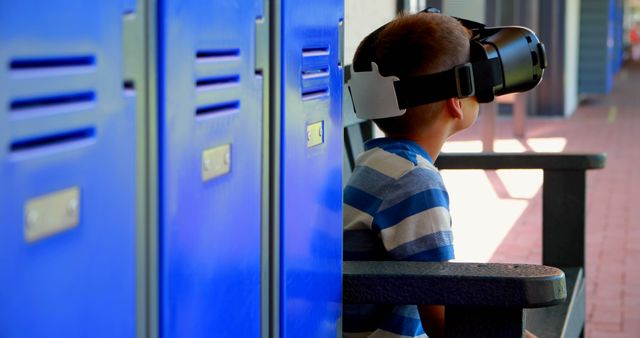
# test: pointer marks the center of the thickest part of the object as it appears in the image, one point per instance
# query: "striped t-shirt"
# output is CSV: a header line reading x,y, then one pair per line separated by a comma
x,y
395,208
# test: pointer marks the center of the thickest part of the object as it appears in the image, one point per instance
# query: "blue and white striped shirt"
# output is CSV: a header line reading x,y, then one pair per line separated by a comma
x,y
395,208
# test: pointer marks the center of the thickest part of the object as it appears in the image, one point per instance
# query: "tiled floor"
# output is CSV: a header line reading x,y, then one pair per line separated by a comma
x,y
511,200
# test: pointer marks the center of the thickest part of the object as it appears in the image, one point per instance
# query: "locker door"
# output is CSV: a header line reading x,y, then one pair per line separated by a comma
x,y
596,46
67,171
210,168
311,164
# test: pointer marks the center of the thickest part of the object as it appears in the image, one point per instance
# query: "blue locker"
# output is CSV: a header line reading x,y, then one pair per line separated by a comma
x,y
617,35
67,171
210,126
598,52
311,168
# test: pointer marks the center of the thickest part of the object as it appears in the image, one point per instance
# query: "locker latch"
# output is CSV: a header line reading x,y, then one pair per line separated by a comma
x,y
315,134
216,161
52,213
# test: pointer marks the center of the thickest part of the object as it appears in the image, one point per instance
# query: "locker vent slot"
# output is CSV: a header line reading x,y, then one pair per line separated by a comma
x,y
217,55
315,51
57,65
315,73
53,102
218,108
52,62
44,141
312,94
217,82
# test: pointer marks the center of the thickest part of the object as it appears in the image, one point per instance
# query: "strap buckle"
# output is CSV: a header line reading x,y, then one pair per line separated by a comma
x,y
464,80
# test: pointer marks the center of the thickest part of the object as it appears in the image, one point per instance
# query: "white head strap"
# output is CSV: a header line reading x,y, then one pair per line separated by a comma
x,y
374,95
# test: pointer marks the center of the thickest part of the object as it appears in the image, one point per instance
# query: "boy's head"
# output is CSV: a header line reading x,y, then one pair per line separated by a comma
x,y
409,46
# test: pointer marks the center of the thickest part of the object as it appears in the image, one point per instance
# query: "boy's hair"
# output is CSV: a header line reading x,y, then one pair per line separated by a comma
x,y
412,45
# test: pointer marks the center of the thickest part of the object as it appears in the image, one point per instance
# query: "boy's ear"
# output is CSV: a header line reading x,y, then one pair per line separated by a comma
x,y
454,107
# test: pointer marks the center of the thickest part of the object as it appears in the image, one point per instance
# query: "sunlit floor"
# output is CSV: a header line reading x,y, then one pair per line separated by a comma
x,y
497,214
500,197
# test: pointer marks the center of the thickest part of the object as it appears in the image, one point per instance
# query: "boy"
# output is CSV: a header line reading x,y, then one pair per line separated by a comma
x,y
395,204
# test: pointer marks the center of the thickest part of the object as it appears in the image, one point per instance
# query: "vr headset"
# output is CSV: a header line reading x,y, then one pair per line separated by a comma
x,y
502,60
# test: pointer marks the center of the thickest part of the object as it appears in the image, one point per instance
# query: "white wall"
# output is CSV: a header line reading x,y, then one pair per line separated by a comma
x,y
466,9
571,56
362,17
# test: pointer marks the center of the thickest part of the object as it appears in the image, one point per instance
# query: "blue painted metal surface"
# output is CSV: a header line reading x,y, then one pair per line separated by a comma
x,y
311,177
600,45
65,121
210,96
617,19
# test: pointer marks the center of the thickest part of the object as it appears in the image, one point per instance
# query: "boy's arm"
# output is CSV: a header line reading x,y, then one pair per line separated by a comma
x,y
421,230
432,317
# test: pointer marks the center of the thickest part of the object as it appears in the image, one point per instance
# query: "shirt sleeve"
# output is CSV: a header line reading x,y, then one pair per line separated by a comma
x,y
414,221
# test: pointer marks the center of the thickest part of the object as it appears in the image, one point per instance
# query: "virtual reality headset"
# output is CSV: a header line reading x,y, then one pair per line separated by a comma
x,y
502,60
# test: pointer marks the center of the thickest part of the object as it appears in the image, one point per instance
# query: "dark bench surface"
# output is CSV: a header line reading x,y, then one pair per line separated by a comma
x,y
566,319
466,284
546,161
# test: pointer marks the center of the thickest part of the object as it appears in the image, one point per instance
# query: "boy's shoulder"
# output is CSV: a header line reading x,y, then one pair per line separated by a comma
x,y
394,157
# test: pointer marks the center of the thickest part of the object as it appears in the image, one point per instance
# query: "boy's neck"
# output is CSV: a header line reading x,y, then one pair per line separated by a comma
x,y
432,146
431,140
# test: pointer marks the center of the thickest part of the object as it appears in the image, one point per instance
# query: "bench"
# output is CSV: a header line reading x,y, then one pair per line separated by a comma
x,y
491,300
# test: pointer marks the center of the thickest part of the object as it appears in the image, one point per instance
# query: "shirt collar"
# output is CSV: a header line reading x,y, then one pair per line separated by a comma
x,y
401,147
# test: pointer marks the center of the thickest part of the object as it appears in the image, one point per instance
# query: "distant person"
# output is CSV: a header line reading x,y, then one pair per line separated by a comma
x,y
634,39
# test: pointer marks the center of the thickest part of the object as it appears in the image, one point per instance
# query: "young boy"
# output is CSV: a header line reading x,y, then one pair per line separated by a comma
x,y
395,203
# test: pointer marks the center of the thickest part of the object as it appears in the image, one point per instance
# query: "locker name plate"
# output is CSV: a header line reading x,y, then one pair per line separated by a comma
x,y
315,134
52,213
216,162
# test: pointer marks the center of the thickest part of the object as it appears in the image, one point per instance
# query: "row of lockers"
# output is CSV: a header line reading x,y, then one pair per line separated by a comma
x,y
170,167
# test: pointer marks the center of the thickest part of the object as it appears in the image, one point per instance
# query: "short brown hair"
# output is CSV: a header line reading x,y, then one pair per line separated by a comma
x,y
412,45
